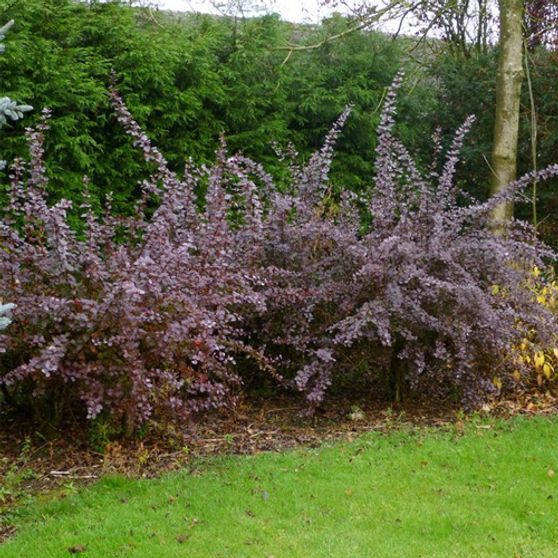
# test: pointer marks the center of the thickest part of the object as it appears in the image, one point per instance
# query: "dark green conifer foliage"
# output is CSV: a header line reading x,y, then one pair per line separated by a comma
x,y
186,80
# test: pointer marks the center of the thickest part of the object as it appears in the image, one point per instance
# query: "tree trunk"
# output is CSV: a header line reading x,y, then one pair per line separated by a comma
x,y
508,94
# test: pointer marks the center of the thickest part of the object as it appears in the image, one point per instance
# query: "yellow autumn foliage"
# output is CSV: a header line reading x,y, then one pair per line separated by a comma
x,y
541,361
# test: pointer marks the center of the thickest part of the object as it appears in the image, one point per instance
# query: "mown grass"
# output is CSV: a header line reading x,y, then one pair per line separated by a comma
x,y
487,491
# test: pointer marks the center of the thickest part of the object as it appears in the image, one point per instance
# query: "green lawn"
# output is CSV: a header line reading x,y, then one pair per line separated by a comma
x,y
411,493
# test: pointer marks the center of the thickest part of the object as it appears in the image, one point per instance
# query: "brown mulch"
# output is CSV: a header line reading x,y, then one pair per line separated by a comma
x,y
57,466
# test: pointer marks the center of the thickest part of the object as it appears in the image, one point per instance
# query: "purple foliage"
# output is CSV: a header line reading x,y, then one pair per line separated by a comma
x,y
419,289
141,316
148,323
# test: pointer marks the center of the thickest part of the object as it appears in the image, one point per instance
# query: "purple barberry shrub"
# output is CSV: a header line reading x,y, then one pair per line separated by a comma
x,y
159,314
135,317
430,296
